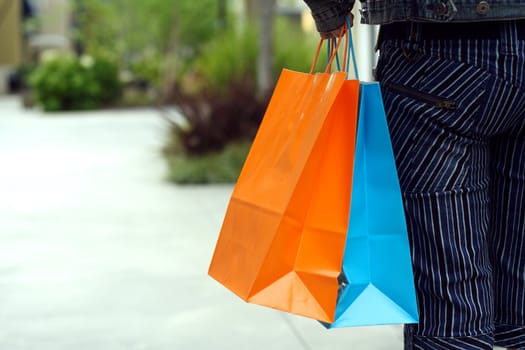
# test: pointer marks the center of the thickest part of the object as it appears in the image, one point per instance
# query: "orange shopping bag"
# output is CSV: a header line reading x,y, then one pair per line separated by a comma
x,y
282,240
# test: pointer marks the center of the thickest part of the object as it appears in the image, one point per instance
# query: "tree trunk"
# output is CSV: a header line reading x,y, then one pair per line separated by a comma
x,y
250,8
261,12
264,64
222,13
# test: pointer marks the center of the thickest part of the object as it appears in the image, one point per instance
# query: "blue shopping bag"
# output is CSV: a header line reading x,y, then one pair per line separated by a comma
x,y
376,282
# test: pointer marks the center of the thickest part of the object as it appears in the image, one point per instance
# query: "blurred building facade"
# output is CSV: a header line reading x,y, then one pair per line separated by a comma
x,y
10,39
10,33
54,23
27,29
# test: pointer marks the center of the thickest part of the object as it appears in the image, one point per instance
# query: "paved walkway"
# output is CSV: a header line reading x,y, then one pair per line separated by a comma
x,y
98,252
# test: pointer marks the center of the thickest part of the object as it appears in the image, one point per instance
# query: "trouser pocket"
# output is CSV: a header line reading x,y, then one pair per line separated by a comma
x,y
435,101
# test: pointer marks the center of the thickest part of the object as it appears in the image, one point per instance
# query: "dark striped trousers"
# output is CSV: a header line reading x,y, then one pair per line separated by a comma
x,y
454,96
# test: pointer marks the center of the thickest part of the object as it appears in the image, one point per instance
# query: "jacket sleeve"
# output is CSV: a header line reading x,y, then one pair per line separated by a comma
x,y
329,14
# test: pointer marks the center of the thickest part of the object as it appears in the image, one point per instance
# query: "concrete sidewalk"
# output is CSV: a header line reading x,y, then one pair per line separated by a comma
x,y
98,252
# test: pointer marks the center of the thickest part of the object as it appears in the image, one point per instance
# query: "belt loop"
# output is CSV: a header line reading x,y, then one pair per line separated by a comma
x,y
413,47
415,33
508,38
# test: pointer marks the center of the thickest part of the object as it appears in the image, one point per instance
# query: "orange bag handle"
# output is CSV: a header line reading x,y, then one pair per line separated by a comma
x,y
334,48
344,30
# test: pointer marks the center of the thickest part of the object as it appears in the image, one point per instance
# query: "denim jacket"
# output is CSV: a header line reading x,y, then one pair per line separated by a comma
x,y
329,14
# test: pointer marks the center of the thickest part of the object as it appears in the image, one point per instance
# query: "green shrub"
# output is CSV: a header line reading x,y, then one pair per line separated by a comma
x,y
294,49
147,68
196,22
228,57
232,55
214,167
212,143
67,82
214,120
141,34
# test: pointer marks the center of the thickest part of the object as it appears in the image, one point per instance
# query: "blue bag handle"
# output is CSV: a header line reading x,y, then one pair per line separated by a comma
x,y
332,46
349,51
332,53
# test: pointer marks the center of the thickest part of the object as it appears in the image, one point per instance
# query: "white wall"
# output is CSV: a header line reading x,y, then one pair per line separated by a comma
x,y
365,41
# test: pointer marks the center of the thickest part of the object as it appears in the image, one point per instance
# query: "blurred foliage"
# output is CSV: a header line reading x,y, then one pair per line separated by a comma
x,y
214,167
212,121
294,49
67,82
131,44
138,34
195,22
231,55
218,98
227,58
148,67
217,129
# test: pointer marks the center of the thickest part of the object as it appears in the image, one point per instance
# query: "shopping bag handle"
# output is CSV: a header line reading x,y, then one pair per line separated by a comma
x,y
333,52
351,51
333,48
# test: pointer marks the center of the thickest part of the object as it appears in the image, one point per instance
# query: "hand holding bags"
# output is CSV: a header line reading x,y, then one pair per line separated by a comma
x,y
284,233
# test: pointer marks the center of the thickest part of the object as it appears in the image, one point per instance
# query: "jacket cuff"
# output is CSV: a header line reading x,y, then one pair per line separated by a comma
x,y
329,14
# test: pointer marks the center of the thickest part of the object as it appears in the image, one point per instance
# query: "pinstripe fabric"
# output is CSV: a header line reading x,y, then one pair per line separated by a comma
x,y
456,111
413,341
